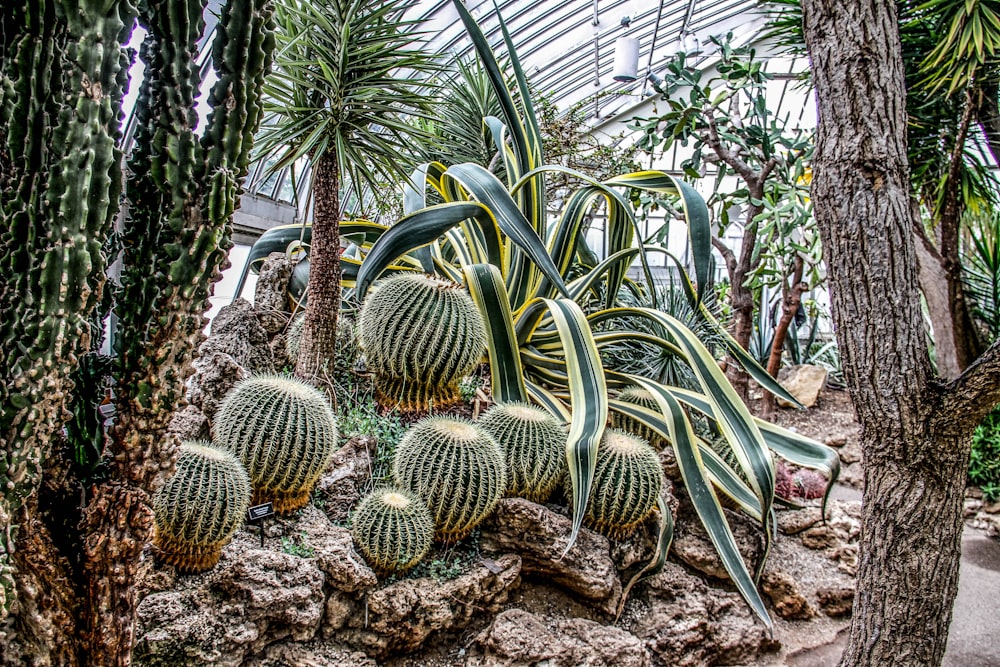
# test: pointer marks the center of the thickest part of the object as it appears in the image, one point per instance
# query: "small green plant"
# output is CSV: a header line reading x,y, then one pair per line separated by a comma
x,y
364,417
297,546
984,464
468,386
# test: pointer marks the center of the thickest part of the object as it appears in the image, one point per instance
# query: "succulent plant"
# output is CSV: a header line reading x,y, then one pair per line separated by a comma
x,y
283,431
534,447
347,341
641,397
393,529
456,467
199,509
420,336
627,482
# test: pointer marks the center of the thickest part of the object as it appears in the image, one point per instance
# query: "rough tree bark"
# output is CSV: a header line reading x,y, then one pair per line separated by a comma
x,y
792,289
318,349
914,428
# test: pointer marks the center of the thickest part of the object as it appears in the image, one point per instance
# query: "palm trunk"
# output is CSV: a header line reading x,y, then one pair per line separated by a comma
x,y
318,349
914,429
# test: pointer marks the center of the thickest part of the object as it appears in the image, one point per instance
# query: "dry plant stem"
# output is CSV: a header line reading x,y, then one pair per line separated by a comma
x,y
914,430
318,349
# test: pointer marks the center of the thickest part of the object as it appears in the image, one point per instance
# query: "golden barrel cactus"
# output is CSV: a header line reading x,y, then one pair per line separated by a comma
x,y
627,482
534,447
393,529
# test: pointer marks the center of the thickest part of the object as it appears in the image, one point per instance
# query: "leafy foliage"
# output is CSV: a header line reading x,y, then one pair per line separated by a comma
x,y
984,468
981,273
543,295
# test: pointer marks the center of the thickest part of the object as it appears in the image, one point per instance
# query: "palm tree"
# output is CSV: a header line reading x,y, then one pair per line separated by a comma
x,y
349,76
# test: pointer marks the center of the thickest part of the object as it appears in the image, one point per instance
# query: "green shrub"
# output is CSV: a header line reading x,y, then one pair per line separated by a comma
x,y
984,465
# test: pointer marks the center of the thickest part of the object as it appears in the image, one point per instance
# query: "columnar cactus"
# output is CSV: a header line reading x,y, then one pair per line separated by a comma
x,y
283,431
200,508
641,397
456,467
393,530
627,482
534,447
420,336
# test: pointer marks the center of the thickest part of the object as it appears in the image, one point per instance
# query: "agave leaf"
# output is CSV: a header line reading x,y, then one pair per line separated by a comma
x,y
702,494
487,289
418,229
549,401
588,398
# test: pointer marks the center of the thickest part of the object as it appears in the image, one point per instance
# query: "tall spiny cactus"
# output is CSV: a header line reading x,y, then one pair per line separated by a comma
x,y
62,74
181,194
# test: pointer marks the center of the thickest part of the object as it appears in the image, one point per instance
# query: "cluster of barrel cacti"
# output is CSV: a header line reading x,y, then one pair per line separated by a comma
x,y
420,336
272,438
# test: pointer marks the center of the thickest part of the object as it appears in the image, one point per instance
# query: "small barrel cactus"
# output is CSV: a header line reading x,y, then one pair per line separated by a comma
x,y
393,530
456,467
283,431
641,397
199,509
534,446
347,341
627,482
420,336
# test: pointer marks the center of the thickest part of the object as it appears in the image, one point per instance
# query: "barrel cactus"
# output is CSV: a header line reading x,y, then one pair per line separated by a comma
x,y
534,447
627,482
456,467
199,509
283,431
420,336
393,530
641,397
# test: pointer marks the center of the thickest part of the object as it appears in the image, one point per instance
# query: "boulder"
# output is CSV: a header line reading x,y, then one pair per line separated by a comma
x,y
692,545
788,601
270,298
804,382
215,374
539,536
518,638
401,616
189,423
340,487
837,601
237,331
685,623
312,654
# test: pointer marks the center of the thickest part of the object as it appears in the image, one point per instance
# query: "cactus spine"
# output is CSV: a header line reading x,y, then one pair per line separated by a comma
x,y
641,397
534,447
393,529
420,336
201,507
456,467
283,431
627,482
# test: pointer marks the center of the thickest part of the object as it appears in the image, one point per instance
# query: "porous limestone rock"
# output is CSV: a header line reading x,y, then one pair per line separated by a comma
x,y
685,623
540,536
692,545
189,423
519,638
237,331
215,374
401,616
311,654
836,601
804,382
270,298
785,596
347,476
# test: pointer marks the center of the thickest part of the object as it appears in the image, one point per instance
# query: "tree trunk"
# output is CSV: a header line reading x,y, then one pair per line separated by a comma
x,y
914,441
740,296
318,349
790,302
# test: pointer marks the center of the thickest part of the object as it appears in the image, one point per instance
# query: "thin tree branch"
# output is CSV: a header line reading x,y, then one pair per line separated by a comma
x,y
971,396
729,157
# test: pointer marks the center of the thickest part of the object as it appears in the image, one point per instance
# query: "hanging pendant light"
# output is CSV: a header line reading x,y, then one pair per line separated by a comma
x,y
626,67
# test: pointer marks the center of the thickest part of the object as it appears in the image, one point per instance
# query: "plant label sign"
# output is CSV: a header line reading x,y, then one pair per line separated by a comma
x,y
257,514
260,512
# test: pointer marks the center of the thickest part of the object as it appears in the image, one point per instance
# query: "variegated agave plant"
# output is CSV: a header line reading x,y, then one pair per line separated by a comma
x,y
495,238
